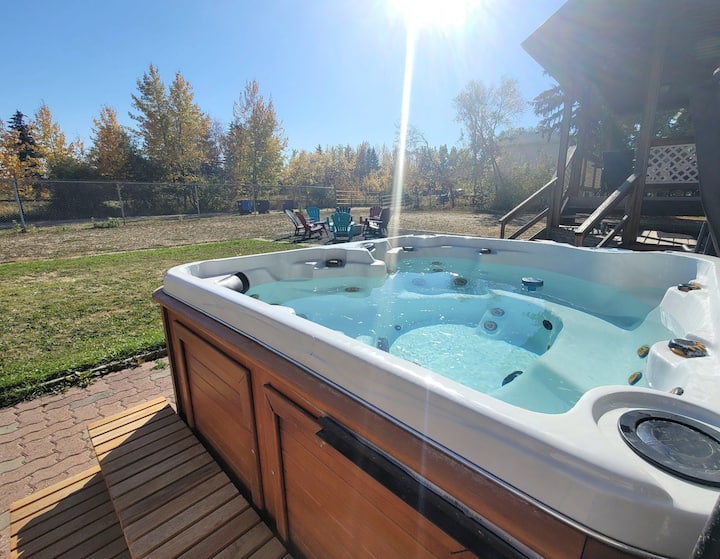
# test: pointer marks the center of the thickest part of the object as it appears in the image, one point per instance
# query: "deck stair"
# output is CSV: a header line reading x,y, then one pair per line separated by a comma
x,y
73,518
156,485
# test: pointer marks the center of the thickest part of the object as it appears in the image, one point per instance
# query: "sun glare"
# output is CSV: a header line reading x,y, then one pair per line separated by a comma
x,y
446,15
435,13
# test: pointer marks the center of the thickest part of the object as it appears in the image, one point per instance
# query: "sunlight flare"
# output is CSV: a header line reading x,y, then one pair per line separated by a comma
x,y
420,14
399,175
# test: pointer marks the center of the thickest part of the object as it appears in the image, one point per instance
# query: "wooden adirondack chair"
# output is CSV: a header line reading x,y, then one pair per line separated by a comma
x,y
296,223
310,229
377,227
342,226
313,214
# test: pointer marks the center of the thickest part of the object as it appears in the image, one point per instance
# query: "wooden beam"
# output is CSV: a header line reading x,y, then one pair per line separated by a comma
x,y
556,194
580,157
633,205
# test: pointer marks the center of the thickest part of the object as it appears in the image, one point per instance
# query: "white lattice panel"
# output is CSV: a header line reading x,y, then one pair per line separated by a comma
x,y
672,164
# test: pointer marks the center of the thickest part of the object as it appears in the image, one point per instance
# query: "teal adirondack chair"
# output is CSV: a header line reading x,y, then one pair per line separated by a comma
x,y
342,226
313,213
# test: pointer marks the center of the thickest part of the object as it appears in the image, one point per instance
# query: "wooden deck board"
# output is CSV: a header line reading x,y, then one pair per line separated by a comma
x,y
73,518
171,498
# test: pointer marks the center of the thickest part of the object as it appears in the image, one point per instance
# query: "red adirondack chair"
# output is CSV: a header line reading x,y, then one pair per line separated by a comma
x,y
310,229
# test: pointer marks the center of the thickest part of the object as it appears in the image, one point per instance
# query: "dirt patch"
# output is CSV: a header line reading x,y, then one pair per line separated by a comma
x,y
84,239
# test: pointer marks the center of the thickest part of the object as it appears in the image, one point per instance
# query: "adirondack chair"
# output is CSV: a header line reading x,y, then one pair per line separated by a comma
x,y
377,227
343,209
298,226
310,229
313,214
342,226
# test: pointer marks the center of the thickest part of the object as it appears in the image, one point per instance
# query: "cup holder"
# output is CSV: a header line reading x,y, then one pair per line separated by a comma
x,y
679,445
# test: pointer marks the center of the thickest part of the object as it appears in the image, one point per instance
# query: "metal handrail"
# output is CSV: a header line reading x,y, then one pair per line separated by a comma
x,y
604,209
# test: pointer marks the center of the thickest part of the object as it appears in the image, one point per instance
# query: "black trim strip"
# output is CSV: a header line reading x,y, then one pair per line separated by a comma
x,y
447,516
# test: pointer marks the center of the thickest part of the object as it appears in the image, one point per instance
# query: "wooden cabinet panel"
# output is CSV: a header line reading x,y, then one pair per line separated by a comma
x,y
220,405
335,509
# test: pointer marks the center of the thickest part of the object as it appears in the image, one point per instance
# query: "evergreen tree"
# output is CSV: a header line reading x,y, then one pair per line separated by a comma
x,y
25,148
548,105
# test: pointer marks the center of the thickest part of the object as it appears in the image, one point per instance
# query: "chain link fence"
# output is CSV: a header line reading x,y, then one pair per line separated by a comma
x,y
42,201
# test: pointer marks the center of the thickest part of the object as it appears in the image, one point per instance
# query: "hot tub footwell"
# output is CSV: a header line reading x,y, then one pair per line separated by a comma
x,y
337,477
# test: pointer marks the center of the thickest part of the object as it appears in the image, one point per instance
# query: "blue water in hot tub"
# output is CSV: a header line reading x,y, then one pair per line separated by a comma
x,y
480,326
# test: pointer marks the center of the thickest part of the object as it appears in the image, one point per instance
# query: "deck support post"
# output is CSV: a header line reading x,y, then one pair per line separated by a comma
x,y
581,151
633,205
705,111
556,193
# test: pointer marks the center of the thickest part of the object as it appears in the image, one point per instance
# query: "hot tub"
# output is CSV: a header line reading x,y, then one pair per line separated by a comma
x,y
627,450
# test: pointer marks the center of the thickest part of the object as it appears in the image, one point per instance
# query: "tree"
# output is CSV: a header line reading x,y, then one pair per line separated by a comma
x,y
548,105
112,151
188,136
60,159
22,155
339,167
176,136
152,116
305,168
367,160
484,111
213,166
606,130
255,140
19,158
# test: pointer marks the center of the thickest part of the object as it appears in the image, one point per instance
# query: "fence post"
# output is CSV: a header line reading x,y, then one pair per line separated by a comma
x,y
122,204
197,200
19,205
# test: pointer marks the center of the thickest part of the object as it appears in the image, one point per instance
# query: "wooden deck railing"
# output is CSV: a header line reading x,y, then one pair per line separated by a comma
x,y
512,214
603,210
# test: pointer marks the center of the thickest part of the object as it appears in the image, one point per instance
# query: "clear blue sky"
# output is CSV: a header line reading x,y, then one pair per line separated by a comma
x,y
334,68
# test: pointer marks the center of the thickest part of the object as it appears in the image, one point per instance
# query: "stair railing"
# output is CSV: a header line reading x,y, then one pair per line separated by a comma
x,y
512,214
602,212
521,206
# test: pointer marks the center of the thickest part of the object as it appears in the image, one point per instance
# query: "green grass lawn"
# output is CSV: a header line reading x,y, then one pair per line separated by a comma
x,y
72,314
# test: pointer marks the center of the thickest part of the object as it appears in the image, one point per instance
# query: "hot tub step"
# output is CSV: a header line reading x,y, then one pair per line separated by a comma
x,y
171,497
73,518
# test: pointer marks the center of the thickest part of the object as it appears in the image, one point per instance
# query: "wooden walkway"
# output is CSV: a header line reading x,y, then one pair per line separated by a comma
x,y
157,485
